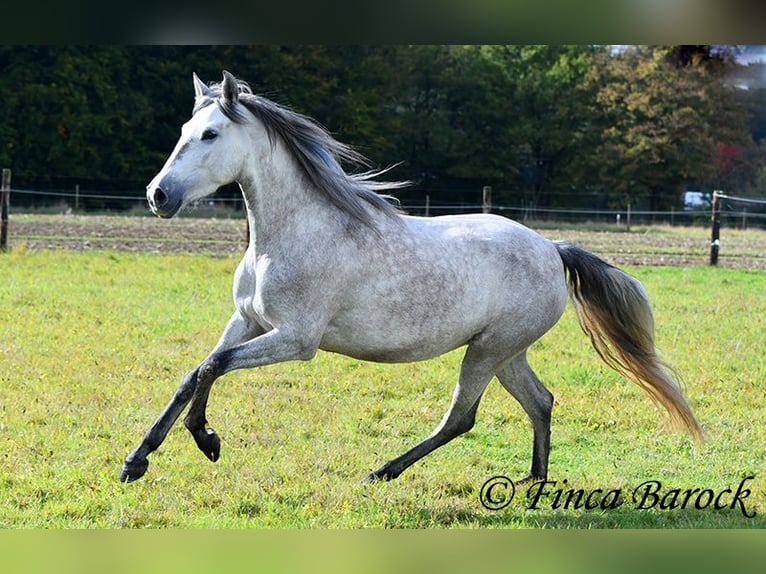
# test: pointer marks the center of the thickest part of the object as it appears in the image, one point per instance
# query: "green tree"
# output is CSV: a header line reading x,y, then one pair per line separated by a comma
x,y
547,115
654,127
451,128
509,116
83,113
553,126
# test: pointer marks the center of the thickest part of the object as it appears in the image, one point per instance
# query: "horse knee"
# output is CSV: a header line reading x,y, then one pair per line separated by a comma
x,y
208,371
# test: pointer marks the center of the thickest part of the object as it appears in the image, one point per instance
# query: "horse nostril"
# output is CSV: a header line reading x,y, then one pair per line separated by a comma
x,y
160,197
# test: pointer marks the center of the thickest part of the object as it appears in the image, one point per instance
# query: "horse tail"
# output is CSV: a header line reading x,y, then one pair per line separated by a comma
x,y
614,311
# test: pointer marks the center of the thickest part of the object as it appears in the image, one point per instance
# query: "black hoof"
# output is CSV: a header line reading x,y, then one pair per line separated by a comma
x,y
382,474
208,442
529,479
133,469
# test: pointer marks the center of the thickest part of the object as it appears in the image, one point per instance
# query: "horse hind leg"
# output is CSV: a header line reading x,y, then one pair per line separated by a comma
x,y
475,374
522,383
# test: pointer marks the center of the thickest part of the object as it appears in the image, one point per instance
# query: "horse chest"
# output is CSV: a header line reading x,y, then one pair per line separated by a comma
x,y
269,292
257,306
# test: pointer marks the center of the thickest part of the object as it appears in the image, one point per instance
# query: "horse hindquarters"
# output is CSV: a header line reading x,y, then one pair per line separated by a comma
x,y
530,297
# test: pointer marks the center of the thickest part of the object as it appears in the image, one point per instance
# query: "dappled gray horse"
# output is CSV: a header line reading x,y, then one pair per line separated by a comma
x,y
333,265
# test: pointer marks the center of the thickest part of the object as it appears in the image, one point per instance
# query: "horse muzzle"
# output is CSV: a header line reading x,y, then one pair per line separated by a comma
x,y
164,200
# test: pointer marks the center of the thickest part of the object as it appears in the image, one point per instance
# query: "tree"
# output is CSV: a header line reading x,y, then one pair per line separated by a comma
x,y
547,115
654,127
553,126
514,117
452,122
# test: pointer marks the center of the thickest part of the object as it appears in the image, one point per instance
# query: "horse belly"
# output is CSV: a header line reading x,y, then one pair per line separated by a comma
x,y
406,323
380,344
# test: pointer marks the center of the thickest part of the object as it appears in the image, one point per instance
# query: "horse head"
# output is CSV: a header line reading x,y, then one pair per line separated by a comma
x,y
209,153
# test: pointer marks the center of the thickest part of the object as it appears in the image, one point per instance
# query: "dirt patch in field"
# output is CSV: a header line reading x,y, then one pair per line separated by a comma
x,y
670,246
135,234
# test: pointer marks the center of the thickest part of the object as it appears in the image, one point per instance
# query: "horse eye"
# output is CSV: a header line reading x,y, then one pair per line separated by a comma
x,y
209,135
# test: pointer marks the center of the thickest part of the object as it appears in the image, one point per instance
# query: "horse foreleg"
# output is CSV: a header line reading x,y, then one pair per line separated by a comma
x,y
519,379
195,388
237,332
272,347
263,349
136,462
206,438
474,378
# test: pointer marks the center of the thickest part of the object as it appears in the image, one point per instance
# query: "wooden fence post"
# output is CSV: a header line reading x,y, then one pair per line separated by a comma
x,y
5,200
486,199
715,243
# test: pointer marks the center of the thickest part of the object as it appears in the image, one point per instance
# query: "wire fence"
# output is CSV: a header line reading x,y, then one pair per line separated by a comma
x,y
750,200
732,216
737,212
217,226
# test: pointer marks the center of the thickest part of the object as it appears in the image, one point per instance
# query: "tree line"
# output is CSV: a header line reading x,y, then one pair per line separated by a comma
x,y
546,126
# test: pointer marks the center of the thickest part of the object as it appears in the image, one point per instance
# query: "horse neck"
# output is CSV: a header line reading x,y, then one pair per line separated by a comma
x,y
282,203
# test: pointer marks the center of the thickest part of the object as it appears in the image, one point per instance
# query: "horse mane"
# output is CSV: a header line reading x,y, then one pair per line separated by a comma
x,y
318,154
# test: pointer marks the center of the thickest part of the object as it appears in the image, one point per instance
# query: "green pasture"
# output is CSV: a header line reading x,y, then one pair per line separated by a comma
x,y
94,344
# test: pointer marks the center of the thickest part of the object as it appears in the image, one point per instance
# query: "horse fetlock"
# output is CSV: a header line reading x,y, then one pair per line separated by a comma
x,y
531,478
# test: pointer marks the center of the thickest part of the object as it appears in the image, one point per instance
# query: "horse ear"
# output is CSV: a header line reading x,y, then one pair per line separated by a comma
x,y
200,89
230,88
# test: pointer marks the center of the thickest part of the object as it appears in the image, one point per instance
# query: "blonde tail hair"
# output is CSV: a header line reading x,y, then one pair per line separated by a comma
x,y
615,312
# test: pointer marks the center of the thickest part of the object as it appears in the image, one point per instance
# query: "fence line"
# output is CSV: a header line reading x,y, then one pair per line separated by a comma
x,y
523,212
80,195
470,207
715,237
77,195
742,199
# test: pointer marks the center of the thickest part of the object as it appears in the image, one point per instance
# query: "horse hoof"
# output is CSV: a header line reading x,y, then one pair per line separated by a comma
x,y
209,443
133,469
529,479
380,475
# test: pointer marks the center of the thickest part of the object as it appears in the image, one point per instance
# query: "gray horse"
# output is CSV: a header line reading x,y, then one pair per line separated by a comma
x,y
333,265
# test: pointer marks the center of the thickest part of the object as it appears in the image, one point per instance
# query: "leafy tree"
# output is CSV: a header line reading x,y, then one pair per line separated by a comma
x,y
654,127
451,126
553,126
506,116
548,114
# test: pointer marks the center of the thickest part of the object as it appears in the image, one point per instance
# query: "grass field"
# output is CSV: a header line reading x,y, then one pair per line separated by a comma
x,y
94,343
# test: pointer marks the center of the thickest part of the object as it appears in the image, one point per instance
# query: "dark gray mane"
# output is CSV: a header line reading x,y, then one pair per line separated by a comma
x,y
316,151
